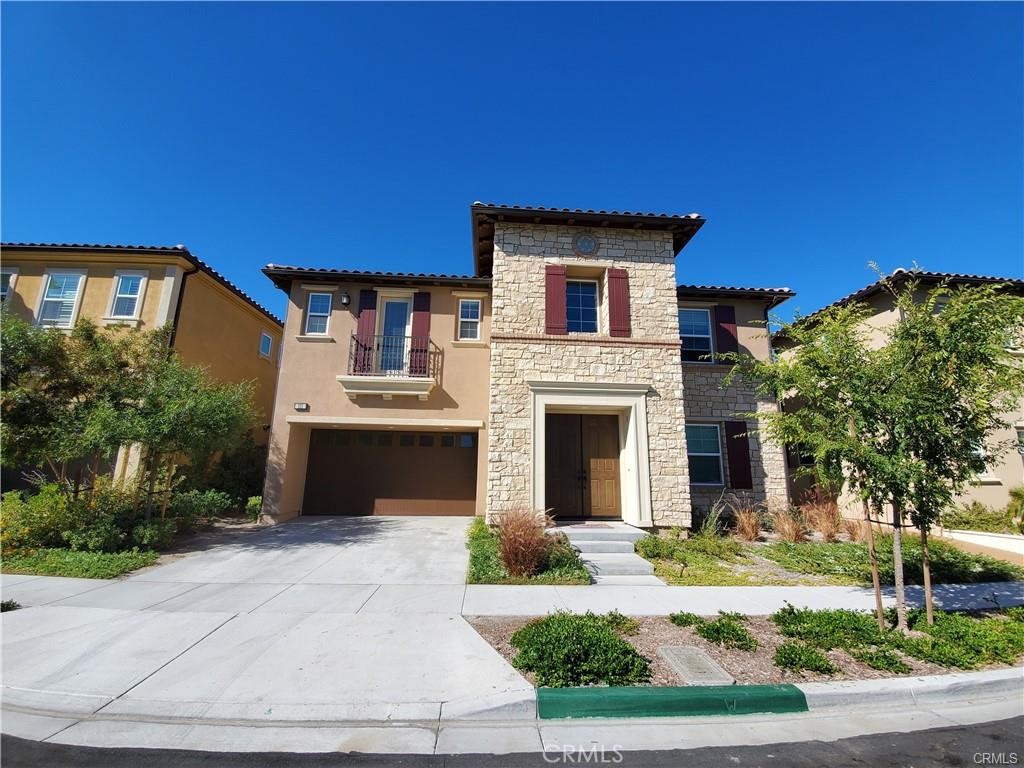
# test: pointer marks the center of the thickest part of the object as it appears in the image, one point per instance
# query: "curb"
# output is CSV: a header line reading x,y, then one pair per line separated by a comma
x,y
682,701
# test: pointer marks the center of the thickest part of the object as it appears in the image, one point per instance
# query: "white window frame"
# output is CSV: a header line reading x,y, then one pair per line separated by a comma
x,y
47,275
13,272
479,320
710,336
597,303
721,463
269,355
115,293
330,308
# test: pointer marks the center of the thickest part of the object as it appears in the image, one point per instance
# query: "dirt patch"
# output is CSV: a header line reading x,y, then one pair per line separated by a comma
x,y
747,667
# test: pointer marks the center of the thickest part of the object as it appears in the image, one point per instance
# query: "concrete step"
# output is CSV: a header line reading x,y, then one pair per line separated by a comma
x,y
628,581
602,546
584,532
617,564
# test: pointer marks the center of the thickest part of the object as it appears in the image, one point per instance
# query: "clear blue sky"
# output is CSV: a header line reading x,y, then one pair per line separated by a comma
x,y
814,138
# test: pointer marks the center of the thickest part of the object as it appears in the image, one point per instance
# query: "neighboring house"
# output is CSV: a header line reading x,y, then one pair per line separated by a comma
x,y
994,486
214,324
556,377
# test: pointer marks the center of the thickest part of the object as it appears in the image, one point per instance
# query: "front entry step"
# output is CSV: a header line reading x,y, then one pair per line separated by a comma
x,y
628,581
586,545
607,551
616,564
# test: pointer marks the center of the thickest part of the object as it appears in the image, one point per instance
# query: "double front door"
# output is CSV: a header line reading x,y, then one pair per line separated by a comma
x,y
582,465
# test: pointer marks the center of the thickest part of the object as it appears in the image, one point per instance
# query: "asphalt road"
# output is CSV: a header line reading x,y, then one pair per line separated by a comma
x,y
988,744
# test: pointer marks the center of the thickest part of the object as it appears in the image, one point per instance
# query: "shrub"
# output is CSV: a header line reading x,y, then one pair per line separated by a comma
x,y
522,541
484,557
623,625
36,521
980,517
254,508
82,564
829,628
881,658
822,515
684,619
748,523
712,544
854,529
156,534
193,507
962,641
1016,613
1015,509
657,547
562,565
788,526
728,632
566,649
798,657
102,535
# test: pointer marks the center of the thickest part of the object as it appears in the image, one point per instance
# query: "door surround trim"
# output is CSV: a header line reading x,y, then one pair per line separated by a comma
x,y
629,401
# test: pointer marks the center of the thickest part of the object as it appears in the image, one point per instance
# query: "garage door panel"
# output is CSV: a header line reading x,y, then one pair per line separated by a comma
x,y
364,472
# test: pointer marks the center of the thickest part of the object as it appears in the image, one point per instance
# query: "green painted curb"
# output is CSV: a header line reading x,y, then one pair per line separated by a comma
x,y
680,701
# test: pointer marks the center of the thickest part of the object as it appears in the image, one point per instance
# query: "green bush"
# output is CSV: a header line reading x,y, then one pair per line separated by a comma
x,y
980,517
80,564
798,657
728,632
623,625
962,641
193,507
566,649
655,547
38,520
101,535
561,566
103,522
881,658
829,628
254,508
156,534
714,545
684,619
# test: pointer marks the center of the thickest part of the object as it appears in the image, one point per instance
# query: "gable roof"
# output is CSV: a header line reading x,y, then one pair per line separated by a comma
x,y
484,215
282,276
774,296
148,250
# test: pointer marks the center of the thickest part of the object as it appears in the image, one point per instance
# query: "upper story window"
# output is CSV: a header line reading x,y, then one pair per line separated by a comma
x,y
581,306
266,345
695,335
318,313
469,319
704,454
62,290
8,276
128,291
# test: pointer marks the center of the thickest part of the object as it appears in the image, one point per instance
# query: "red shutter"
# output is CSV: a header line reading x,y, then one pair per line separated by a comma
x,y
618,302
554,299
419,352
737,448
725,329
366,327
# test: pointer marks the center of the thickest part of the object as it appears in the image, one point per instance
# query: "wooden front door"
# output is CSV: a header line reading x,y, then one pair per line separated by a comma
x,y
582,465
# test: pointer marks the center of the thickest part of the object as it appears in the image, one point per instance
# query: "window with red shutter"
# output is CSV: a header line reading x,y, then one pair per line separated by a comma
x,y
554,299
618,302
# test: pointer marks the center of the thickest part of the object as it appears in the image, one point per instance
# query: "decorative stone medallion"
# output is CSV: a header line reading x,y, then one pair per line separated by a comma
x,y
585,244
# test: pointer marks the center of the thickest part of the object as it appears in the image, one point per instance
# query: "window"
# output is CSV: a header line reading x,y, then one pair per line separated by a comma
x,y
469,319
467,440
581,306
704,453
426,441
447,441
695,334
318,313
8,275
60,299
127,298
266,345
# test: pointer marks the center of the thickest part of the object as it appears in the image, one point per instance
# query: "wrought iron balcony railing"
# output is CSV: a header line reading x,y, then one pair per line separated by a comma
x,y
414,357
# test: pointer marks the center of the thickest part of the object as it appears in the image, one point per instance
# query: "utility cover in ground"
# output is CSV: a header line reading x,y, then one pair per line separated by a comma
x,y
693,666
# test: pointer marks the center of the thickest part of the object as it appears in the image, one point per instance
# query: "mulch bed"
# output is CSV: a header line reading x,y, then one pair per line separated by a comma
x,y
747,667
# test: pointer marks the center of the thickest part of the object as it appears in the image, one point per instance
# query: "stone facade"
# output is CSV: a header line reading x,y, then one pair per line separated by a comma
x,y
521,352
708,401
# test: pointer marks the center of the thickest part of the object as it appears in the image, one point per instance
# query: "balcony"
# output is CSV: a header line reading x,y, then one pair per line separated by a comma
x,y
390,366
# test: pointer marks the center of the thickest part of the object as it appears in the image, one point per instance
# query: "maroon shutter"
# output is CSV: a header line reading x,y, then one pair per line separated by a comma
x,y
419,352
618,302
554,299
366,327
737,448
725,329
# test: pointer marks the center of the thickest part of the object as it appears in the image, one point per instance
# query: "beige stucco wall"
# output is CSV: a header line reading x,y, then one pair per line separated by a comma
x,y
521,352
222,333
308,375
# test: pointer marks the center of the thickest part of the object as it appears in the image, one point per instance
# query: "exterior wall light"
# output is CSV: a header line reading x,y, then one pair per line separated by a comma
x,y
345,299
301,406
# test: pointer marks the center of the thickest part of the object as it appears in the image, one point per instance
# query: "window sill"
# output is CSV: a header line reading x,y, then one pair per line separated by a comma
x,y
132,322
468,343
708,485
988,480
320,339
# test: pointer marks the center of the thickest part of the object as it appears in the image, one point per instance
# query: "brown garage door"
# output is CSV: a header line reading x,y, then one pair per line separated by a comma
x,y
365,472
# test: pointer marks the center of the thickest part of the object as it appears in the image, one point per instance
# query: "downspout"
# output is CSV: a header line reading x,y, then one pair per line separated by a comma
x,y
177,306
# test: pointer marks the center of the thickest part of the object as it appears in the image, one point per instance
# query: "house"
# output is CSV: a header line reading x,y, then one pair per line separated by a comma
x,y
214,324
993,487
569,373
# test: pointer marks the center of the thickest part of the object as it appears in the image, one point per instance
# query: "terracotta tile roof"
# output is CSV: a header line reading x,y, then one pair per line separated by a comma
x,y
283,274
599,211
774,296
177,250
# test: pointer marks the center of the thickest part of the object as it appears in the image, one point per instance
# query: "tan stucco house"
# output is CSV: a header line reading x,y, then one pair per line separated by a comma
x,y
214,324
993,487
570,372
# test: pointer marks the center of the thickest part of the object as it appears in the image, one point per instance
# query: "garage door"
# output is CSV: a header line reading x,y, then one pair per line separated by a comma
x,y
366,472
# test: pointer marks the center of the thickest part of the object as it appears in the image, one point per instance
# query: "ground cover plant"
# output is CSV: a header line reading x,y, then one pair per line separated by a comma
x,y
78,564
564,649
980,517
560,565
726,629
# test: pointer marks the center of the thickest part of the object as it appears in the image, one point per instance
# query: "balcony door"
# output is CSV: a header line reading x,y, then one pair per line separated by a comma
x,y
395,330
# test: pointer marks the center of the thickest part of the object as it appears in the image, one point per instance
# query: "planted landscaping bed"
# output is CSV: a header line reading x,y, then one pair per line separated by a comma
x,y
558,564
572,650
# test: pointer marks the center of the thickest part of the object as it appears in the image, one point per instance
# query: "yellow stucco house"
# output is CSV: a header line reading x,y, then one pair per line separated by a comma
x,y
214,324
